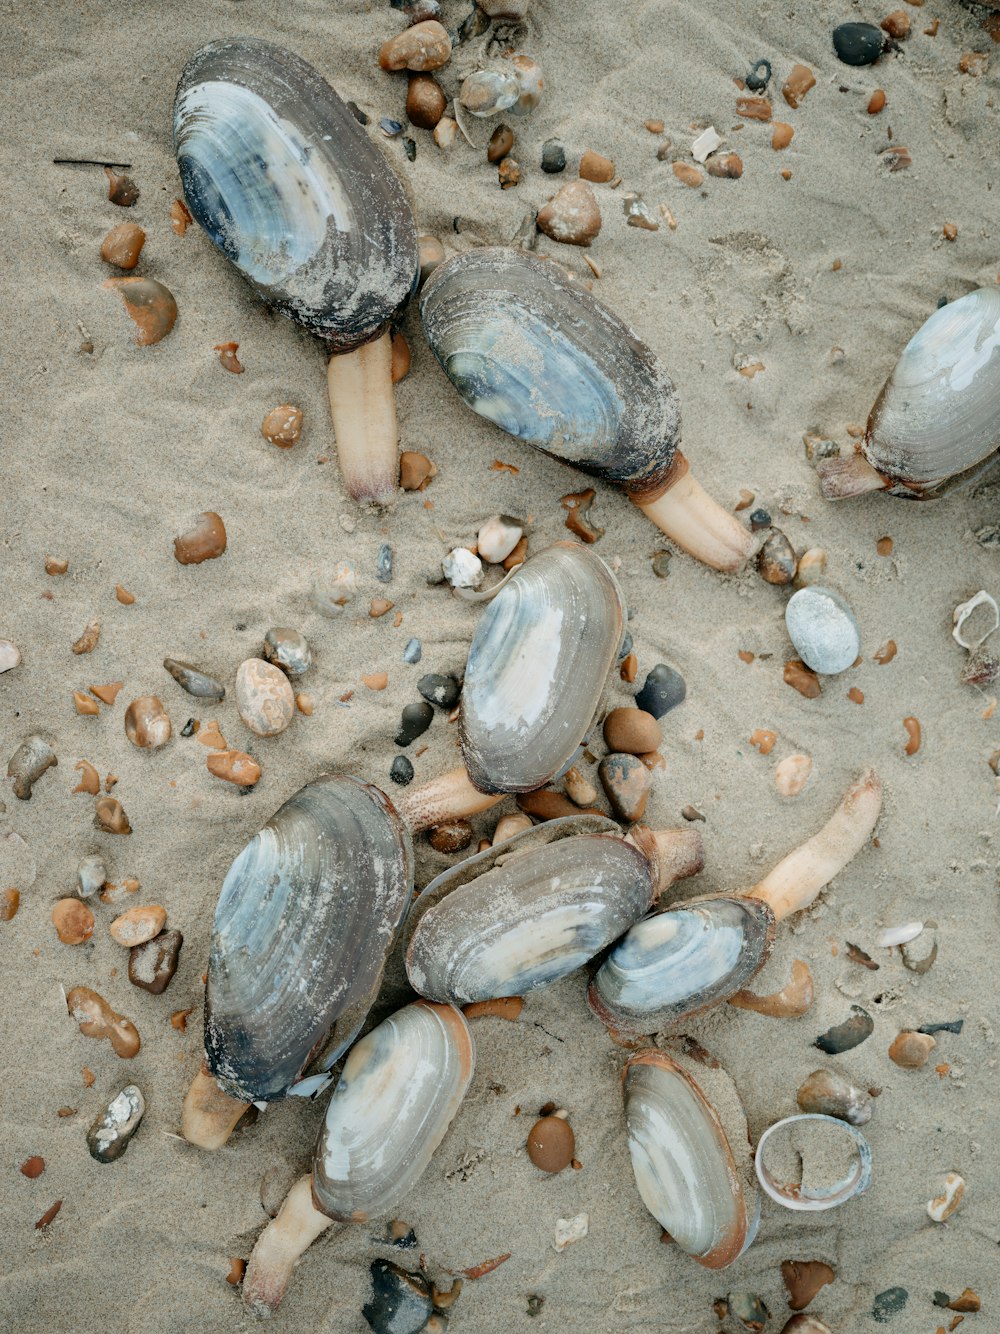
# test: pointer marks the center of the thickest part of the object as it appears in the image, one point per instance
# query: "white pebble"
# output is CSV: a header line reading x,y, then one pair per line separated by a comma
x,y
497,539
707,142
569,1230
899,935
792,774
822,627
462,569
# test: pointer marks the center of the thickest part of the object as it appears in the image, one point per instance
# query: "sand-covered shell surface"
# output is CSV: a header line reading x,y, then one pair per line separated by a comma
x,y
525,914
683,1151
537,668
305,919
530,349
680,961
398,1092
289,187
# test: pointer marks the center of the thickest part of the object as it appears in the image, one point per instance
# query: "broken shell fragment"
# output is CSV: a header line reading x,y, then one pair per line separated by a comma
x,y
10,655
944,1205
193,681
150,304
33,756
152,965
822,627
122,245
975,620
898,935
234,766
110,816
204,540
289,650
91,875
264,698
830,1094
847,1035
794,999
462,568
111,1133
98,1020
810,1162
792,774
804,1279
147,724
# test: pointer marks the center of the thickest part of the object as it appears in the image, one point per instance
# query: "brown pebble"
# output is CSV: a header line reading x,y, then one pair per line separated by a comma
x,y
551,1143
180,216
150,305
88,640
896,24
949,231
73,921
56,565
147,723
65,1112
452,836
211,736
781,135
89,1078
400,358
152,964
425,101
445,132
800,80
85,705
98,1020
745,655
886,653
122,245
508,173
884,546
897,158
264,698
505,1007
305,704
109,693
235,766
415,470
911,1050
803,1279
138,925
111,817
122,190
228,359
33,1167
594,167
500,144
578,520
786,175
876,102
855,695
378,607
725,166
237,1268
422,47
763,740
632,731
48,1215
776,561
571,215
629,668
802,678
688,174
124,596
376,680
913,735
179,1018
204,540
968,1301
627,783
282,426
932,30
654,126
754,108
10,901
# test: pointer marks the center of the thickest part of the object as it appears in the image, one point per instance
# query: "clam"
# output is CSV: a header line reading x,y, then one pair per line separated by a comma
x,y
693,955
528,912
531,350
398,1093
304,921
691,1158
288,186
937,418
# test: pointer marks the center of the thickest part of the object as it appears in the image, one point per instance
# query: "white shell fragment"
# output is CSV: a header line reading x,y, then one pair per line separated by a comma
x,y
91,875
497,538
569,1230
972,629
898,935
462,568
330,596
10,655
707,142
944,1205
831,1158
822,627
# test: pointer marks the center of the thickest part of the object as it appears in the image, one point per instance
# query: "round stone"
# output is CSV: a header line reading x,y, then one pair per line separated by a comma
x,y
264,697
822,627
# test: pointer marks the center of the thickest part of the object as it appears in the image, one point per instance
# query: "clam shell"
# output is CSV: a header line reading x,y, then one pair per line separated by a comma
x,y
530,349
810,1196
286,183
527,913
938,414
398,1092
683,1160
305,919
537,668
685,959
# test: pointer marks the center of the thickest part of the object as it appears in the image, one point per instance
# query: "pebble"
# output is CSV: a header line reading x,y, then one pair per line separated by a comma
x,y
851,1033
705,143
400,1302
627,783
287,649
400,348
858,43
759,76
547,804
228,359
138,925
151,306
967,1301
551,1143
569,1230
802,678
109,693
91,875
56,565
122,245
911,1050
805,1323
331,596
147,723
10,901
112,1131
109,815
497,538
430,254
896,24
892,1300
413,651
375,680
33,1167
631,730
781,135
776,561
487,91
98,1020
661,563
803,1279
553,157
122,190
944,1205
415,470
234,766
509,826
595,167
822,627
578,787
264,699
508,173
209,735
663,690
401,771
383,564
876,102
423,47
638,215
748,1309
204,540
89,639
571,216
500,144
31,759
414,722
462,568
10,655
753,108
440,690
305,703
811,567
90,779
152,964
726,166
688,174
193,681
425,101
73,921
378,607
829,1094
792,774
445,132
452,836
84,704
282,426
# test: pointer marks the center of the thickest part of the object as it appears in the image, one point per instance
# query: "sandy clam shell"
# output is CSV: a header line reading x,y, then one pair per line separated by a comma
x,y
305,919
675,963
938,414
530,349
537,668
527,913
684,1161
287,184
398,1092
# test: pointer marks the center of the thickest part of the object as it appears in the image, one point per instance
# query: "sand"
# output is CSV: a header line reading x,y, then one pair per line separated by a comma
x,y
107,454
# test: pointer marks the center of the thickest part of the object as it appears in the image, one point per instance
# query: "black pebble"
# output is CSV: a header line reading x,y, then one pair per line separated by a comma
x,y
401,771
851,1033
400,1302
410,148
663,691
553,157
858,43
390,127
440,690
188,728
889,1303
415,720
759,76
383,564
626,647
759,520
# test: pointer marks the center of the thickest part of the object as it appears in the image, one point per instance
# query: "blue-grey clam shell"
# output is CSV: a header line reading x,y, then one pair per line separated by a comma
x,y
537,668
526,913
530,349
305,919
287,184
685,959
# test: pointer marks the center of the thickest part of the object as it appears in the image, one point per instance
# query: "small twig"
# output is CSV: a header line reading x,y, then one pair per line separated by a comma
x,y
86,162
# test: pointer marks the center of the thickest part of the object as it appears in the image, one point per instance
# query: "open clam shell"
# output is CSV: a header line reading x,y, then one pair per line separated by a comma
x,y
527,913
398,1092
305,919
938,414
537,668
530,349
677,962
690,1172
287,184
